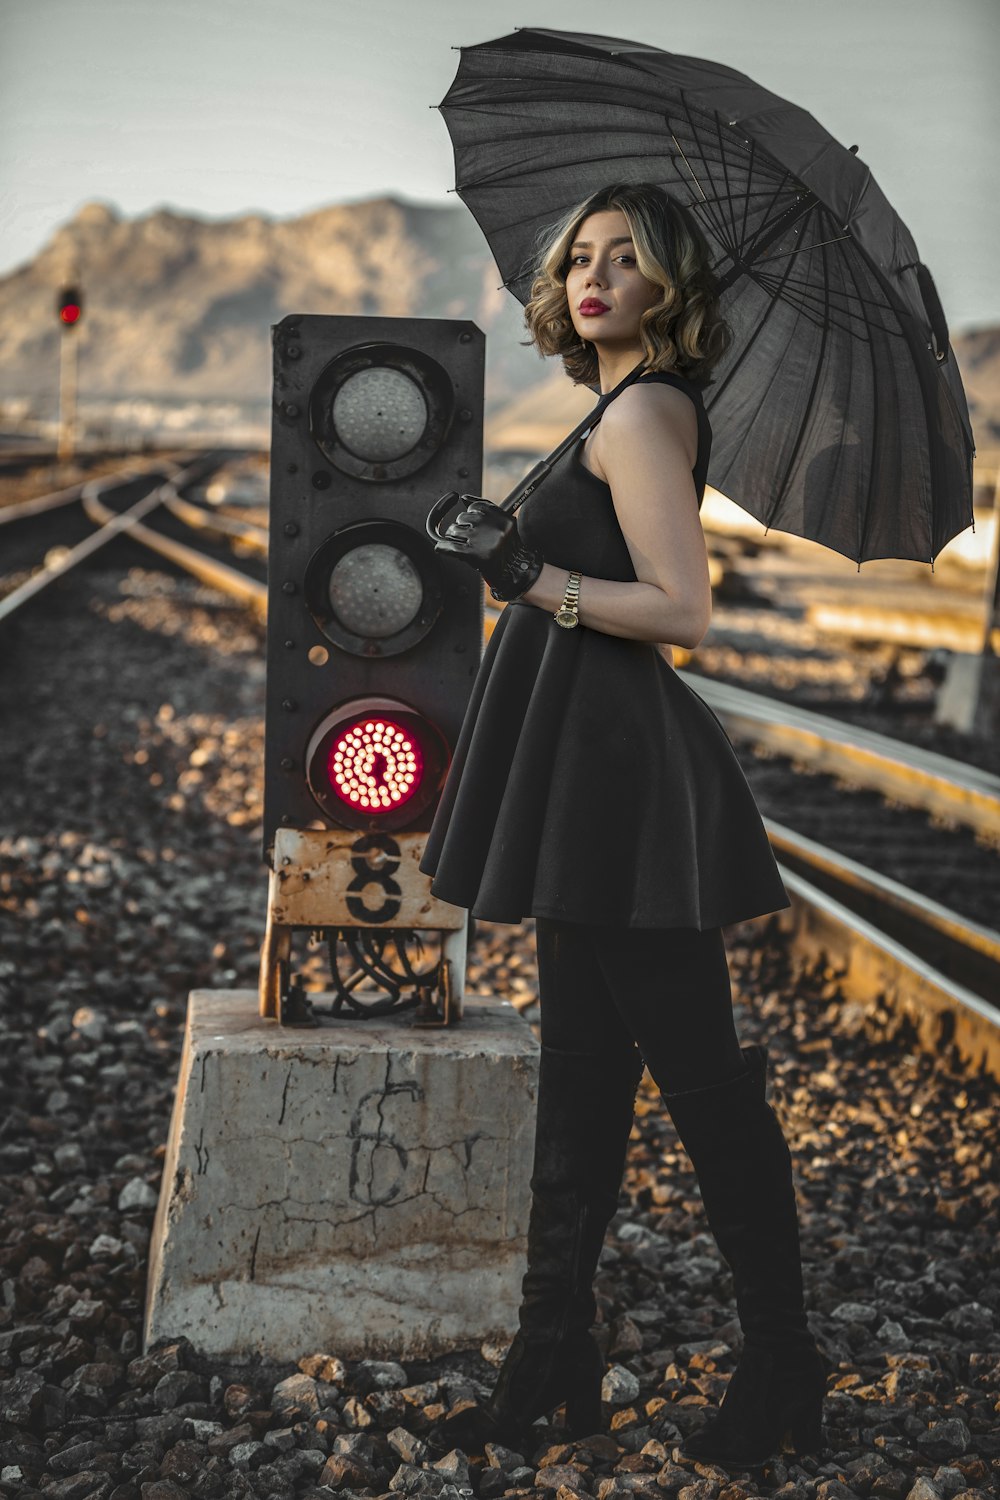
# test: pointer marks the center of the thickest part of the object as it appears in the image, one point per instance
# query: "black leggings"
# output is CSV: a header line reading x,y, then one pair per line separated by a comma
x,y
667,991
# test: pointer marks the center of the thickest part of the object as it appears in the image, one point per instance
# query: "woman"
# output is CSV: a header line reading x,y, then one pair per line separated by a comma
x,y
595,790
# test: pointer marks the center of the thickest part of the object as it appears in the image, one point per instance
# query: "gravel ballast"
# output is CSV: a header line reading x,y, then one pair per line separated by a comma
x,y
130,873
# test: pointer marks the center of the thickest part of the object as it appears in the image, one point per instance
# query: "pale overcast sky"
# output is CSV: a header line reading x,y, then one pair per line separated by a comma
x,y
216,107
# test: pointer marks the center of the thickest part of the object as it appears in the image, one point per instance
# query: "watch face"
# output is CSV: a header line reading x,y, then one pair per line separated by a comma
x,y
567,617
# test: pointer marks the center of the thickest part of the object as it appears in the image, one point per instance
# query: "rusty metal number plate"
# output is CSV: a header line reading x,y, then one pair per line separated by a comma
x,y
345,878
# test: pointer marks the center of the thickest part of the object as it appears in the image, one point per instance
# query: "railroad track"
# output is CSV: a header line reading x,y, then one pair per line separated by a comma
x,y
920,778
27,510
108,508
61,557
22,473
891,943
241,535
894,946
203,564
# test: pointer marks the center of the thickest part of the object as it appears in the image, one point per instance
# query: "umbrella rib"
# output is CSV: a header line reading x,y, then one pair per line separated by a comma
x,y
813,316
796,293
734,195
800,434
807,285
844,318
807,298
694,176
727,200
746,205
746,251
799,249
863,516
714,219
730,197
718,220
715,394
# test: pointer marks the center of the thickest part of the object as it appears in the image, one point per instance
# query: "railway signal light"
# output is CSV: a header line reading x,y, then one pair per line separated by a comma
x,y
374,642
69,306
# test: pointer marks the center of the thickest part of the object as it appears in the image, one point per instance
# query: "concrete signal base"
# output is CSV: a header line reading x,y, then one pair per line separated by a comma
x,y
359,1188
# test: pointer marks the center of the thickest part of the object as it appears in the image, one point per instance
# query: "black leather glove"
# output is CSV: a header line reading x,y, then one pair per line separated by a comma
x,y
486,536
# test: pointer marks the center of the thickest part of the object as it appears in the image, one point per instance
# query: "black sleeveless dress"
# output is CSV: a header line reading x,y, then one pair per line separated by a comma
x,y
589,783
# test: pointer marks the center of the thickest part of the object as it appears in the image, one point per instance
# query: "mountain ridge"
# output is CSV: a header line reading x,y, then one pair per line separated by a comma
x,y
178,308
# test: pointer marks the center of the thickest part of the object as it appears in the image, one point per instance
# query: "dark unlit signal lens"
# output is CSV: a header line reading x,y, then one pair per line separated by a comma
x,y
375,590
379,414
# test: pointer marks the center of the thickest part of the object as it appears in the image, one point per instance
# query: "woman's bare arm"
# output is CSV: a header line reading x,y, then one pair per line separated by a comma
x,y
647,444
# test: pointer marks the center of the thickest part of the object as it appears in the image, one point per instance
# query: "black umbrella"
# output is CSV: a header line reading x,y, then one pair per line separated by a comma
x,y
838,412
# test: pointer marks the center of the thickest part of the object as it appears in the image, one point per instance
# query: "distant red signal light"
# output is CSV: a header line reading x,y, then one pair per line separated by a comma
x,y
69,306
375,763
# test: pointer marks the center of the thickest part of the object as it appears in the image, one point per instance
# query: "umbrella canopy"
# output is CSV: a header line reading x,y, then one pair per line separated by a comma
x,y
838,413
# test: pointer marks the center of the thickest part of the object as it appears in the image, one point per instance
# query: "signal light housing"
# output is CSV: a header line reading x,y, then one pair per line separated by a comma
x,y
69,306
373,419
373,646
375,764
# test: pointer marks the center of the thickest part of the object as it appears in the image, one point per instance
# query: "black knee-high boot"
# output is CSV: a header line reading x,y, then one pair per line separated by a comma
x,y
742,1161
584,1116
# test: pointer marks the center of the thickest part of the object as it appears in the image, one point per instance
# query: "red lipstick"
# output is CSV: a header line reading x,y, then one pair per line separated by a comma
x,y
591,306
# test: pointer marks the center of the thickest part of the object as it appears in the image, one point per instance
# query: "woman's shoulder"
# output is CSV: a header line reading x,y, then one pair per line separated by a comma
x,y
655,396
637,415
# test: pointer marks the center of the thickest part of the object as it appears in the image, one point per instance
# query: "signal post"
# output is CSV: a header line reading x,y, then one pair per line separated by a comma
x,y
69,308
354,1176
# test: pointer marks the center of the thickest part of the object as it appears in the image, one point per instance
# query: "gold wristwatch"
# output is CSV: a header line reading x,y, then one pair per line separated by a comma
x,y
568,612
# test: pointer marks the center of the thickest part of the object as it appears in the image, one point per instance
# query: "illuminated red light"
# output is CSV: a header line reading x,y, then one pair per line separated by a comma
x,y
70,313
375,764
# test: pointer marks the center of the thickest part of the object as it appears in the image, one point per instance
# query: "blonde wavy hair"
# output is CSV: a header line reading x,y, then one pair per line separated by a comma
x,y
683,332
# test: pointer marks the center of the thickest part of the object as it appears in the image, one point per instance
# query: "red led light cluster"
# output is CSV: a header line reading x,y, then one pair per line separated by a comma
x,y
374,765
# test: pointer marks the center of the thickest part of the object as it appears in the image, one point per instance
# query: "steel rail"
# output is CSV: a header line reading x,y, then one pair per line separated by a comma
x,y
216,574
920,778
114,524
962,950
875,969
25,509
255,538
